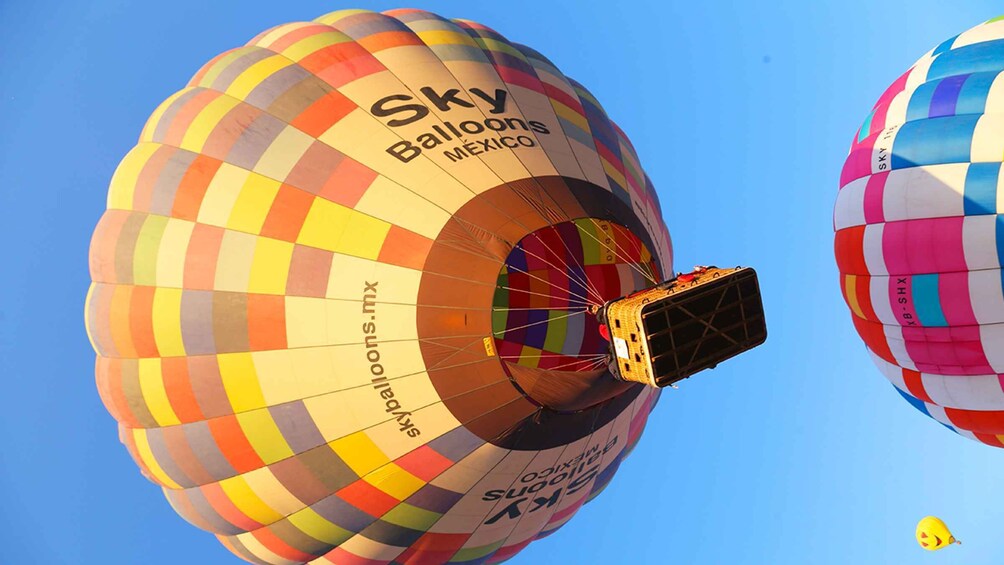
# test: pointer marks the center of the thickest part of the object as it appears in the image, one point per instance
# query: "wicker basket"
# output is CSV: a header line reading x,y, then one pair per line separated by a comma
x,y
667,333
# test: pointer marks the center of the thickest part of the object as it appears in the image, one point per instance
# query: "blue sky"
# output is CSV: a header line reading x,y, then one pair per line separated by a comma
x,y
799,452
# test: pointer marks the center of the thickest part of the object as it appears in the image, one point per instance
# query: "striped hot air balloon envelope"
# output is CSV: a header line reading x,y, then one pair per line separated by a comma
x,y
340,293
919,235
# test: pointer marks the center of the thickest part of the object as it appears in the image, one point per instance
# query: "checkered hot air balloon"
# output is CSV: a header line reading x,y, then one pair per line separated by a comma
x,y
341,293
919,235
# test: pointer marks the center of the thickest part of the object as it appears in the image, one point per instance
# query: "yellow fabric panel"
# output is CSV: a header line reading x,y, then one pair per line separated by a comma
x,y
395,481
173,252
495,45
272,492
252,204
144,260
167,322
444,37
368,235
408,516
264,435
270,266
221,65
469,552
266,38
151,384
613,172
851,287
123,185
333,17
240,381
315,526
529,356
314,43
324,225
283,153
327,222
359,453
233,267
646,255
146,455
570,115
603,234
392,202
221,195
255,74
245,499
205,122
257,549
365,547
87,319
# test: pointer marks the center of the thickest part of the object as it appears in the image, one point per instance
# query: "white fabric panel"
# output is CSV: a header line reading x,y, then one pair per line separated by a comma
x,y
850,207
878,289
938,413
920,70
932,191
992,337
988,143
995,97
966,434
985,32
968,392
894,337
874,259
883,147
896,114
979,242
891,372
986,295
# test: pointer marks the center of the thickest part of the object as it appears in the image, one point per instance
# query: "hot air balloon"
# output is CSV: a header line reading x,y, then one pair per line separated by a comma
x,y
919,243
345,291
933,534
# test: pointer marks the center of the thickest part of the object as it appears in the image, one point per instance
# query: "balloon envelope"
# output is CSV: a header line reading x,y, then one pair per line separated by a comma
x,y
919,239
933,534
340,293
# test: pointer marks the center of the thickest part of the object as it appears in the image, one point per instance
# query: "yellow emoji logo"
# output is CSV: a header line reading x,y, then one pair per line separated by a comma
x,y
933,534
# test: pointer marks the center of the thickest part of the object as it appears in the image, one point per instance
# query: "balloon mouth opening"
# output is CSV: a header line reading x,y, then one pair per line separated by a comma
x,y
544,326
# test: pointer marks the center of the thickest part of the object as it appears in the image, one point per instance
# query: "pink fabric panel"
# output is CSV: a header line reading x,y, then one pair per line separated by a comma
x,y
956,304
929,245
